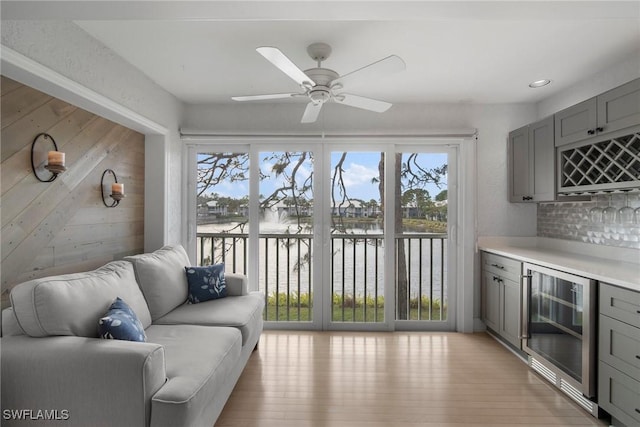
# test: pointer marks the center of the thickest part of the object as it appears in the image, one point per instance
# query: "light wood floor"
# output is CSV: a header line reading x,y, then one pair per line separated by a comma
x,y
392,379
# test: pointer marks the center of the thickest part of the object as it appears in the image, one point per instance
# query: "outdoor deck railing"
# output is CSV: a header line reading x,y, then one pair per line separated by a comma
x,y
357,273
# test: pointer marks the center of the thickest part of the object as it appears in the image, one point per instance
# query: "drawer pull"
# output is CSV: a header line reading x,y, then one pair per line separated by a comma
x,y
502,268
638,410
637,356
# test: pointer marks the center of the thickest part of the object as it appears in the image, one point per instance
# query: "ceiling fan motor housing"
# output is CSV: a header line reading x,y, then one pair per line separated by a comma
x,y
321,92
322,76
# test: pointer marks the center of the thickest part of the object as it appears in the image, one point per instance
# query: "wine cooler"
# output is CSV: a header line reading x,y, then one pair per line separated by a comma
x,y
558,331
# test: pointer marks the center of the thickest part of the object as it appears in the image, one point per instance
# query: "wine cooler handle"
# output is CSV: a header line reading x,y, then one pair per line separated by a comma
x,y
524,307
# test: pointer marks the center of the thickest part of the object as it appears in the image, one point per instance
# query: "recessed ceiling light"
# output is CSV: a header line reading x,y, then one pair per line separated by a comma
x,y
539,83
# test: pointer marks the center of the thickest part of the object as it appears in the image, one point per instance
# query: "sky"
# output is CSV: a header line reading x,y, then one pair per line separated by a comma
x,y
360,168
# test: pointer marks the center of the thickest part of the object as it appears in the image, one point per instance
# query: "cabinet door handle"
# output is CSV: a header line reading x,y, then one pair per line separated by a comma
x,y
638,410
637,356
599,129
524,307
527,198
591,131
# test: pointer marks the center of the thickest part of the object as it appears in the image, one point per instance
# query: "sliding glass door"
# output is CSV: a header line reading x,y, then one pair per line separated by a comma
x,y
357,249
333,238
286,234
422,208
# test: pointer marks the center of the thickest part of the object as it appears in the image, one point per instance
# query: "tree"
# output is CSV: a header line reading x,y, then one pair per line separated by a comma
x,y
442,196
214,168
419,197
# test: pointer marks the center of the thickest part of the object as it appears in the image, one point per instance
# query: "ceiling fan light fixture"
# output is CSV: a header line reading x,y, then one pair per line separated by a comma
x,y
539,83
319,95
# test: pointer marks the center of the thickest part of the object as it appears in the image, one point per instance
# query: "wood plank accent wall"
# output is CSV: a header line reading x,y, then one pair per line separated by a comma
x,y
63,226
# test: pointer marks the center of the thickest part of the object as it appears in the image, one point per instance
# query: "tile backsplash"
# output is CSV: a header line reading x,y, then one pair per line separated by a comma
x,y
577,221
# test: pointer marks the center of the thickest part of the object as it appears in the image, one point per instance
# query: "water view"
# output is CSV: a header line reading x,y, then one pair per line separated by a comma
x,y
357,262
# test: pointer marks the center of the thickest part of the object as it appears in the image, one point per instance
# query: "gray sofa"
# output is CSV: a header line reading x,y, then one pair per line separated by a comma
x,y
54,366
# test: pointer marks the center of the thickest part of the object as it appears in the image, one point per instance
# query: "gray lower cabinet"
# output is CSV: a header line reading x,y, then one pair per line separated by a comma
x,y
619,354
501,296
532,163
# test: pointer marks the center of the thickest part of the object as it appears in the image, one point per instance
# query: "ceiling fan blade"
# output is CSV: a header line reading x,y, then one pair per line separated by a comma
x,y
263,97
279,59
389,65
311,113
362,102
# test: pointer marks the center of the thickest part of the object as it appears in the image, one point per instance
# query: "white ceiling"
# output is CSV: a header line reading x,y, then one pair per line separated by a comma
x,y
456,51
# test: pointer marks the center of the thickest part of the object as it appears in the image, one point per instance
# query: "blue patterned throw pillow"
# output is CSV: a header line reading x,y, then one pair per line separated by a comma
x,y
121,323
206,283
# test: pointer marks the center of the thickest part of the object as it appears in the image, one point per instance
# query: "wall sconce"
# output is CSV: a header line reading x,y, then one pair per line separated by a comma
x,y
117,190
55,159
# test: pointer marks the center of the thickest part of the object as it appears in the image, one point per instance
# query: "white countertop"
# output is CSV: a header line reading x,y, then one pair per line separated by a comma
x,y
617,266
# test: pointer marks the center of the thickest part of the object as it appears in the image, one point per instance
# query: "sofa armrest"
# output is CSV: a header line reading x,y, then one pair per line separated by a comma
x,y
88,381
9,323
237,284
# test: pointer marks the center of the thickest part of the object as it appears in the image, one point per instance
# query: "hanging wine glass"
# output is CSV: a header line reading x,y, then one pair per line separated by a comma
x,y
626,213
609,213
595,213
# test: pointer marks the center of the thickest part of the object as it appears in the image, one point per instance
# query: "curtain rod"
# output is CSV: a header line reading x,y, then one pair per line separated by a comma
x,y
205,135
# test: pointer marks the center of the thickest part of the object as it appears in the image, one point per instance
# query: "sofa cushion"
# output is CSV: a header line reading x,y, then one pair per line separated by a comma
x,y
206,283
71,304
121,323
162,279
242,312
198,362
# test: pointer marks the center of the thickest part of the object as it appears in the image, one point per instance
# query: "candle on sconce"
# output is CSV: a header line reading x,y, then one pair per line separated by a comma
x,y
117,188
56,158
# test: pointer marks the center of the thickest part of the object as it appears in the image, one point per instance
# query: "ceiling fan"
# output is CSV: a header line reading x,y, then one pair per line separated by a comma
x,y
323,85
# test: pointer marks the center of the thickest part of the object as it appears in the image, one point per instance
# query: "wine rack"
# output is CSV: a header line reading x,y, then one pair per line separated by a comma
x,y
609,165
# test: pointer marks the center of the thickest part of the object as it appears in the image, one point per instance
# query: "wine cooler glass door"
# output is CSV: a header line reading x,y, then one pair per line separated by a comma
x,y
560,328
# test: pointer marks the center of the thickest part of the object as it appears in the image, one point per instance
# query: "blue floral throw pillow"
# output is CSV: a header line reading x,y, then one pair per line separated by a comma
x,y
121,323
206,283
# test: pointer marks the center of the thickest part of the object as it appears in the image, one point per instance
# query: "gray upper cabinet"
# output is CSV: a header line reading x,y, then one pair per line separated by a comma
x,y
532,162
619,108
576,123
518,150
543,154
616,109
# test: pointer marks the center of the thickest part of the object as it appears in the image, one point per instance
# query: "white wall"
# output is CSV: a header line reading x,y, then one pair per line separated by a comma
x,y
63,47
599,82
